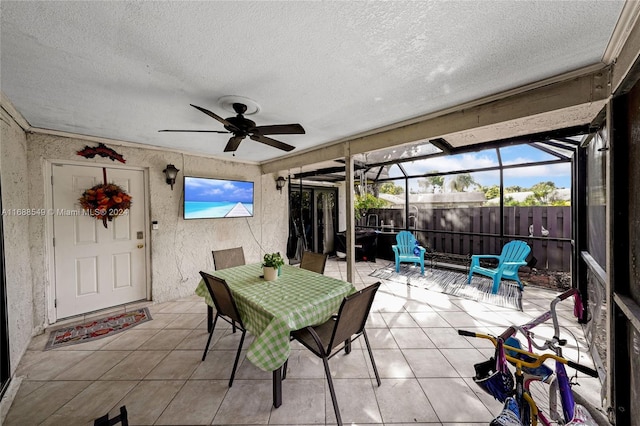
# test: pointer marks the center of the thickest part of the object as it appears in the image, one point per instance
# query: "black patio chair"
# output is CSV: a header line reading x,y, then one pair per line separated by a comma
x,y
227,310
328,339
313,261
223,259
228,258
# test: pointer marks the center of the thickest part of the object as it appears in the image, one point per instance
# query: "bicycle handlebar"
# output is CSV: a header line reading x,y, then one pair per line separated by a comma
x,y
466,333
582,368
567,294
544,317
539,359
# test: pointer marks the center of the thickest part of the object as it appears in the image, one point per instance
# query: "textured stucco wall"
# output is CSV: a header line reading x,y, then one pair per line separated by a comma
x,y
13,170
179,249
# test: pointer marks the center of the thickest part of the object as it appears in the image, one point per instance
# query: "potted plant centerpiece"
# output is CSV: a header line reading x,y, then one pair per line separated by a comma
x,y
271,263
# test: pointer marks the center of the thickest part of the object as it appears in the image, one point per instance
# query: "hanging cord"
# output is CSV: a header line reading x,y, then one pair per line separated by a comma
x,y
175,242
175,232
263,251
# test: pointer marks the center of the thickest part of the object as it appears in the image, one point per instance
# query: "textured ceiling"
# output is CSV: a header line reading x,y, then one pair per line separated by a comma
x,y
124,70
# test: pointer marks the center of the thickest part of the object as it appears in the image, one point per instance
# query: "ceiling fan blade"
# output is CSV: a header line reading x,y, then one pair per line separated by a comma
x,y
233,143
196,131
217,117
279,129
272,142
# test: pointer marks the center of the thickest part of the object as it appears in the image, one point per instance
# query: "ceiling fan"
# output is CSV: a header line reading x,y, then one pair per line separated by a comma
x,y
242,127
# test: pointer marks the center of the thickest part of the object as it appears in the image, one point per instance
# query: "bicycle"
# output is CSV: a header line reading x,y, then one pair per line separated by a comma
x,y
520,407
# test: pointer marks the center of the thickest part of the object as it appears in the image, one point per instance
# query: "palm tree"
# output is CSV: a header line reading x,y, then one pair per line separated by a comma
x,y
461,182
431,183
542,191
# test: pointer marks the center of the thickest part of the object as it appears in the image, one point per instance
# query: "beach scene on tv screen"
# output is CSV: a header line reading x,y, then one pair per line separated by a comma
x,y
216,198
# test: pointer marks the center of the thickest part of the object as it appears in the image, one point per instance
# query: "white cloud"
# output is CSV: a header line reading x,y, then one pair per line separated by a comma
x,y
467,161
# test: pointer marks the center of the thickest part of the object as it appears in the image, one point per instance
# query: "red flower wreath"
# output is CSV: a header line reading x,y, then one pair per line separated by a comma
x,y
105,202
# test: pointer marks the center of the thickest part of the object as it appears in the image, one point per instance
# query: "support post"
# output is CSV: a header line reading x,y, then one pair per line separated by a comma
x,y
349,214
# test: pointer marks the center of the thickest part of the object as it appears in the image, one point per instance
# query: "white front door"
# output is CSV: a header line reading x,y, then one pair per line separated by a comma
x,y
97,267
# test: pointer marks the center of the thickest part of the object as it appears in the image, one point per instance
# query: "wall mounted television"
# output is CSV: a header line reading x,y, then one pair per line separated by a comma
x,y
210,198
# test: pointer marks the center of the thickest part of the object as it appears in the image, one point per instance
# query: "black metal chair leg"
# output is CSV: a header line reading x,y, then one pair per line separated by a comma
x,y
332,390
213,327
373,362
209,318
106,421
235,364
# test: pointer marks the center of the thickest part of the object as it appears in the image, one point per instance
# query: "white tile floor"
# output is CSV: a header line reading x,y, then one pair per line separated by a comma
x,y
156,370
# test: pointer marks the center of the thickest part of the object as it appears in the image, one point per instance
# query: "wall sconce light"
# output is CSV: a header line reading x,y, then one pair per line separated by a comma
x,y
280,183
171,173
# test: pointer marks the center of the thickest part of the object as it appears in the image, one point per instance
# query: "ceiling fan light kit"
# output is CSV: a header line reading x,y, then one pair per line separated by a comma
x,y
242,127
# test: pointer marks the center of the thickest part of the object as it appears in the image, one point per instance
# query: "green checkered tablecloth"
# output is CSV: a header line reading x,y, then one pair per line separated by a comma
x,y
270,310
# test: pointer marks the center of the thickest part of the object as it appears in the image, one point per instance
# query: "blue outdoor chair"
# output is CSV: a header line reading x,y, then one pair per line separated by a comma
x,y
407,250
510,260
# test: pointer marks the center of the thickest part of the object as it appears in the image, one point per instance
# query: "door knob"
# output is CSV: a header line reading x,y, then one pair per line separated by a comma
x,y
140,245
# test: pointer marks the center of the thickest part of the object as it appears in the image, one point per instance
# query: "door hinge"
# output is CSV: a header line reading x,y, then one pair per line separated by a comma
x,y
51,180
55,303
54,241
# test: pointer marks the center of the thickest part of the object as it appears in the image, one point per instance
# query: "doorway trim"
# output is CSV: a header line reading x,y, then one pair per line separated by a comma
x,y
49,252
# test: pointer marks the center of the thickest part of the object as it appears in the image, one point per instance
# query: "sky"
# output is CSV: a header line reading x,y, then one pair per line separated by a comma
x,y
217,190
525,177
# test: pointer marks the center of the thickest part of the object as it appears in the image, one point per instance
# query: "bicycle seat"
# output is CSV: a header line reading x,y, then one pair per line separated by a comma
x,y
542,373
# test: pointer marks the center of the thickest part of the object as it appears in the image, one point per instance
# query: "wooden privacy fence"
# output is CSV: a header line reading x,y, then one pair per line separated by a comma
x,y
476,230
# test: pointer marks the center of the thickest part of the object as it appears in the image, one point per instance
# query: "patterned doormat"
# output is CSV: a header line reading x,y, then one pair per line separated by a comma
x,y
97,329
454,283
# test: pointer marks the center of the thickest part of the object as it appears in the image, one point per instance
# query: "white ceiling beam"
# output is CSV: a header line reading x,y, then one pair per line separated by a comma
x,y
623,46
562,96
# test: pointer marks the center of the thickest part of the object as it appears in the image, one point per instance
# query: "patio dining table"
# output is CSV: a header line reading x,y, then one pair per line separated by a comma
x,y
270,310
